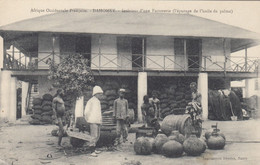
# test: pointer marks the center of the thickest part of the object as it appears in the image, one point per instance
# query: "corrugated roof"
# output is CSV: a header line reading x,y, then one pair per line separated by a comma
x,y
131,24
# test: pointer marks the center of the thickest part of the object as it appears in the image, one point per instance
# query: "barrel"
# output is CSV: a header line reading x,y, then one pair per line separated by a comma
x,y
181,123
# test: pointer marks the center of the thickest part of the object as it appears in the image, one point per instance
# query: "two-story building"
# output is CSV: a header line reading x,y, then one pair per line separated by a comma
x,y
141,46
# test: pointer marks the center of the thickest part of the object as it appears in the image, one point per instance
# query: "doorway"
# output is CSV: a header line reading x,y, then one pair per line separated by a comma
x,y
193,49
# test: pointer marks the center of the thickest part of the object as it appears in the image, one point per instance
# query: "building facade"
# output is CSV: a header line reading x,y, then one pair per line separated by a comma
x,y
135,45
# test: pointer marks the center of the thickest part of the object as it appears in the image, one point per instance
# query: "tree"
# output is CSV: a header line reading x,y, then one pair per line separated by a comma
x,y
72,74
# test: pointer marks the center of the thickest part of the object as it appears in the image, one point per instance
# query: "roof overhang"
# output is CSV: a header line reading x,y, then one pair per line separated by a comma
x,y
138,24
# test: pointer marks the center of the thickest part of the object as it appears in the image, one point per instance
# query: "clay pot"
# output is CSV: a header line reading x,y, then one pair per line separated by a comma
x,y
194,146
175,135
143,146
172,148
216,142
159,142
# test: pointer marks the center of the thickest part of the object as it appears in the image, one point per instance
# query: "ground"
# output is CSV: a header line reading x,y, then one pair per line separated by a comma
x,y
25,144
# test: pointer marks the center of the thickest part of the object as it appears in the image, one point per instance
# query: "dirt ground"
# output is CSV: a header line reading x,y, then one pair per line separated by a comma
x,y
23,144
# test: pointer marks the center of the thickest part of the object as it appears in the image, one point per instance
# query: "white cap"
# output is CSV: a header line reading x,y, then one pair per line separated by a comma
x,y
97,89
121,90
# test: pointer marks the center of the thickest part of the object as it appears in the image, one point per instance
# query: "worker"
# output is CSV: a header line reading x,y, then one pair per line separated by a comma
x,y
59,113
195,104
93,116
156,104
120,113
147,111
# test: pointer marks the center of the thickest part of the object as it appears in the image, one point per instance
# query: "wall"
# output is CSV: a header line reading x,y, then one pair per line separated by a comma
x,y
212,49
160,53
108,48
45,48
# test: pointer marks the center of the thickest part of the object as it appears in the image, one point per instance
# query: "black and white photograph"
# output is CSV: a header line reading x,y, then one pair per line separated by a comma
x,y
129,82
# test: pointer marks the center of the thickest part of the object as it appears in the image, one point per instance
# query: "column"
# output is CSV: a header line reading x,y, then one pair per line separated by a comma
x,y
203,89
79,108
13,100
25,86
1,52
258,98
247,88
5,96
142,90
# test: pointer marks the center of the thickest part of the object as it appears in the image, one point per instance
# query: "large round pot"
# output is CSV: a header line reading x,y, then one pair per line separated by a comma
x,y
172,148
143,146
216,141
194,146
160,139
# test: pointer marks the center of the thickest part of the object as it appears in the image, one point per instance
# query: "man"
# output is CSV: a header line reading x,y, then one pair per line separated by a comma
x,y
93,116
196,100
147,111
156,104
121,115
58,108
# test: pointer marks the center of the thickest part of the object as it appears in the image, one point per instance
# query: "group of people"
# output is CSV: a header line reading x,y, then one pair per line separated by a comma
x,y
93,115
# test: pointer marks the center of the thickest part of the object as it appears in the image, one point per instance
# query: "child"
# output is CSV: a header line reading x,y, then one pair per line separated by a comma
x,y
121,114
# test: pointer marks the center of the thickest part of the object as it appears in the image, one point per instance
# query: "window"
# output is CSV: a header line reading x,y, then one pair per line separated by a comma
x,y
178,46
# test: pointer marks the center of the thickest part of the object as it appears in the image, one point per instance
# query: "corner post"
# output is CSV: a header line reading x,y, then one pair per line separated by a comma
x,y
203,89
142,90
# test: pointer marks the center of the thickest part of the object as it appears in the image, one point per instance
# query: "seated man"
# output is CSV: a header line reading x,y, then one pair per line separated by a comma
x,y
194,107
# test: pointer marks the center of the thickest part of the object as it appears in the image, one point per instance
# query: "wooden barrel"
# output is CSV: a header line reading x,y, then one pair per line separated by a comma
x,y
182,123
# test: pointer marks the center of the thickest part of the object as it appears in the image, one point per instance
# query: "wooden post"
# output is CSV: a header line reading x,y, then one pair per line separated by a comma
x,y
12,57
246,59
143,53
224,51
99,50
53,42
20,64
186,62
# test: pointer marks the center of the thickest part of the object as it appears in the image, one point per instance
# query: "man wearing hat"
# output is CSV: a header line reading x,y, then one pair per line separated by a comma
x,y
93,116
121,115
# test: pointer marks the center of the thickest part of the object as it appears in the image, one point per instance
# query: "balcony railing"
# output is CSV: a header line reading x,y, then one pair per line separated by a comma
x,y
107,61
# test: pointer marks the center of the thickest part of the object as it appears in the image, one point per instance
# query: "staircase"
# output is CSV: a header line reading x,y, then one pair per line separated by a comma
x,y
32,93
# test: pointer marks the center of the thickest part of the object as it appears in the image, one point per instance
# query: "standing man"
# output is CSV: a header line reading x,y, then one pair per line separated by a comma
x,y
156,104
93,116
121,115
58,108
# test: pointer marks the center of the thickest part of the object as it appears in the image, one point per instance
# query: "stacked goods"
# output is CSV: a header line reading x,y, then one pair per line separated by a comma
x,y
47,109
174,95
43,111
42,108
110,88
220,105
37,109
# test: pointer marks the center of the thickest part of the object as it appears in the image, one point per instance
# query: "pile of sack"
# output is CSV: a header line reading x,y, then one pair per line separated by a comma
x,y
42,110
174,97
